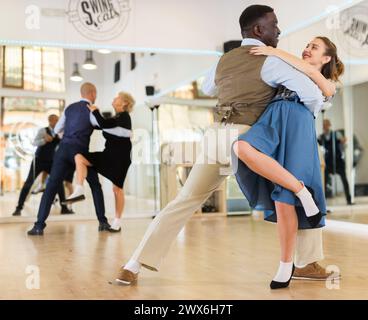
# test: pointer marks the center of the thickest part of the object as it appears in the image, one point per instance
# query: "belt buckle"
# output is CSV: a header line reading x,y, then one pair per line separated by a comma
x,y
226,117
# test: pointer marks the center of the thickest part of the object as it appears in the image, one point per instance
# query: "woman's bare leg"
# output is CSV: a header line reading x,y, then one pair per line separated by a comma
x,y
69,187
273,171
81,166
42,184
44,177
119,201
266,166
119,207
287,226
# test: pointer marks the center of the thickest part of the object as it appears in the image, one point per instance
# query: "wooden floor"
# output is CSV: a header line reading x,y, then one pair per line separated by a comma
x,y
357,213
134,208
213,258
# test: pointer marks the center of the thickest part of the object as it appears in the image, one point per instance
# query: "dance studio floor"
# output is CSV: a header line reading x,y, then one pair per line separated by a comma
x,y
134,207
213,258
357,213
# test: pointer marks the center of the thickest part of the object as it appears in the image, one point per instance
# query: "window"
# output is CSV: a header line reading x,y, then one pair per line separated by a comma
x,y
20,120
34,68
13,67
20,104
53,69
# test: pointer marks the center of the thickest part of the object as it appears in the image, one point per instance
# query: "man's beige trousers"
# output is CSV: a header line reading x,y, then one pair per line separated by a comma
x,y
208,172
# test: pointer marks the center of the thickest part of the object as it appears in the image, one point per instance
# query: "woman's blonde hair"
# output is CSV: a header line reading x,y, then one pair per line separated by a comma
x,y
129,99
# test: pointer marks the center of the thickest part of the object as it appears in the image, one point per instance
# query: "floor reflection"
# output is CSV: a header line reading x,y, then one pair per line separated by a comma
x,y
357,213
134,208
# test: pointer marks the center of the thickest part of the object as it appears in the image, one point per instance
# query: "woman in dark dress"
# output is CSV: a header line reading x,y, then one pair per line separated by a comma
x,y
114,161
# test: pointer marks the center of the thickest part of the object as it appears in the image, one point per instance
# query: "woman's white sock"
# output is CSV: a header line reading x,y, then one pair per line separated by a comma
x,y
307,201
116,224
284,272
133,266
78,191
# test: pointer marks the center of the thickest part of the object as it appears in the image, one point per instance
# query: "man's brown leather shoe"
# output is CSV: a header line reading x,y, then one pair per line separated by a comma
x,y
126,277
314,271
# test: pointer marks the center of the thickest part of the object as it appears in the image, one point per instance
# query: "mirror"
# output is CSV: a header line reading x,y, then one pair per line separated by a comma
x,y
341,127
37,83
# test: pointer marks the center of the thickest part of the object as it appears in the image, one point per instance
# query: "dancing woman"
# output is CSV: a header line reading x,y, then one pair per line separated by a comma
x,y
277,159
114,161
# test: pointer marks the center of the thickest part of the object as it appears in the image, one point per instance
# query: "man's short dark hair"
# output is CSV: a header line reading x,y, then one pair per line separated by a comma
x,y
251,14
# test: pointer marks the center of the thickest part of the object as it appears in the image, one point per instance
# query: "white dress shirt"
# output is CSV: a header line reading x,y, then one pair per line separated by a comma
x,y
276,72
39,140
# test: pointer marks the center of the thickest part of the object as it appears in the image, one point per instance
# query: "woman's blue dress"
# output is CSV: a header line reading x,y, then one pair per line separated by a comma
x,y
286,132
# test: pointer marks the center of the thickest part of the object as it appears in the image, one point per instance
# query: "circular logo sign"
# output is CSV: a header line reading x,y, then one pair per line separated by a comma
x,y
352,30
21,137
99,20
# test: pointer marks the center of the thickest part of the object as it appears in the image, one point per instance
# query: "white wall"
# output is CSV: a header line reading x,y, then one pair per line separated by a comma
x,y
361,128
290,13
186,24
190,24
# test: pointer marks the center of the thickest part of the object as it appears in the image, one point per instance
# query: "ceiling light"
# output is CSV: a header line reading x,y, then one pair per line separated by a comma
x,y
104,51
89,63
76,76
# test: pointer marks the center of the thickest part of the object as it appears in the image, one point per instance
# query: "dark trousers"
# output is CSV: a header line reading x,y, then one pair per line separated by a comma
x,y
63,163
340,170
37,166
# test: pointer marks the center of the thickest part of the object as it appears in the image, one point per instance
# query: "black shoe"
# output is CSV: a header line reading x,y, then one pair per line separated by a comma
x,y
315,220
35,232
17,212
114,230
280,285
104,227
350,203
38,191
66,210
75,199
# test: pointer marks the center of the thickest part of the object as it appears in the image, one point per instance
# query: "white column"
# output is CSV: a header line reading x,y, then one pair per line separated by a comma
x,y
348,109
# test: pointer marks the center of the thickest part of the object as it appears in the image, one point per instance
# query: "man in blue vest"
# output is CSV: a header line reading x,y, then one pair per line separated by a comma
x,y
46,142
77,124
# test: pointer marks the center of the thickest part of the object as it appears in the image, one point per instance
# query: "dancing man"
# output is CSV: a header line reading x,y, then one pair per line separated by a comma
x,y
245,84
46,141
78,125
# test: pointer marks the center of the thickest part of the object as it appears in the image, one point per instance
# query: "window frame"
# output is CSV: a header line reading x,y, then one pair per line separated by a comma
x,y
4,84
